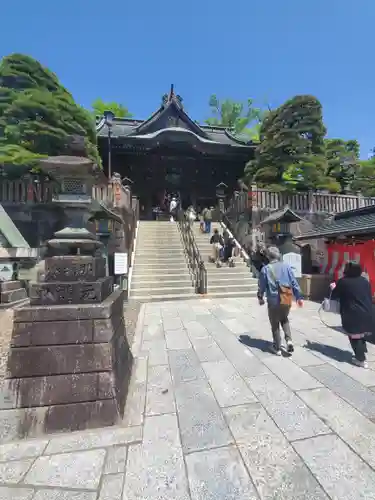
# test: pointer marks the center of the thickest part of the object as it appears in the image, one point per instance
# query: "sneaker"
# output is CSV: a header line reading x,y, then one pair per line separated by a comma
x,y
361,364
275,350
290,347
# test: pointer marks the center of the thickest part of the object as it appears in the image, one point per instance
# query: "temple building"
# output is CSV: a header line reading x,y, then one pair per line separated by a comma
x,y
169,153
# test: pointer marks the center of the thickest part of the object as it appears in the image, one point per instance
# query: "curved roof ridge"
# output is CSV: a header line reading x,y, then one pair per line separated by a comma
x,y
237,139
175,129
173,101
100,125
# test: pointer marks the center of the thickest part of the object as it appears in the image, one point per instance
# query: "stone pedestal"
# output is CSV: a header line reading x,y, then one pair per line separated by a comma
x,y
69,356
12,294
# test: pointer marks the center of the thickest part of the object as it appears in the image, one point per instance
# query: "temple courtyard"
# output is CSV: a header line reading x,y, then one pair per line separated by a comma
x,y
213,415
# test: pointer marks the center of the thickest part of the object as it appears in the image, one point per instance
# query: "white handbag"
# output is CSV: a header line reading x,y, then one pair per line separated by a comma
x,y
332,306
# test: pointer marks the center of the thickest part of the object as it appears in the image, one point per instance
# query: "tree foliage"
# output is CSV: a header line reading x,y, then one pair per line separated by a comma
x,y
38,116
291,151
120,111
236,116
364,179
342,161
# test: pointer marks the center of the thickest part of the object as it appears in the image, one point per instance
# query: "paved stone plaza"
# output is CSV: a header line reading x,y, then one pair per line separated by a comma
x,y
212,415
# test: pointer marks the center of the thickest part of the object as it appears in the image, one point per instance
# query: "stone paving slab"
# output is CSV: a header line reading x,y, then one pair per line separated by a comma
x,y
276,469
81,470
213,415
341,472
219,473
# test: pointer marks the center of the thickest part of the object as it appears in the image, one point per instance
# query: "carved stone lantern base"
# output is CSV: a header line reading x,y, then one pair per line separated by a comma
x,y
69,360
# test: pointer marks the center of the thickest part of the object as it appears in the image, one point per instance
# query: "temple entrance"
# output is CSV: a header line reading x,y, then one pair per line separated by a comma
x,y
170,153
167,176
185,173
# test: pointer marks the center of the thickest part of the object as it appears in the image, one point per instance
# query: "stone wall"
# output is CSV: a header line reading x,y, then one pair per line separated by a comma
x,y
36,223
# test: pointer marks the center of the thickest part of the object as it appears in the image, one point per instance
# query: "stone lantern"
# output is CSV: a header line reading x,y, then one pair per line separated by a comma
x,y
69,351
75,176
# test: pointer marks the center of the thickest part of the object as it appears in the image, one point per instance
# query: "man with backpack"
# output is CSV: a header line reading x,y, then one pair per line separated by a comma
x,y
207,218
278,282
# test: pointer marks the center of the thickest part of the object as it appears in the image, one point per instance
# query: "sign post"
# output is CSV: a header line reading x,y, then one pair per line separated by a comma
x,y
121,267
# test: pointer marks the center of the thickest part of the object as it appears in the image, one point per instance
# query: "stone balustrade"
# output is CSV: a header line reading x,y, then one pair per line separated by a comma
x,y
34,191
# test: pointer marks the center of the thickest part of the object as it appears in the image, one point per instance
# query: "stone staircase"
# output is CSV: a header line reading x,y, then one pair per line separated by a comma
x,y
160,270
225,281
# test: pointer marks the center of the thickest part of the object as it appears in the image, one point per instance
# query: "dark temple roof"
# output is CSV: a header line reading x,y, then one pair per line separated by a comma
x,y
353,222
171,118
286,215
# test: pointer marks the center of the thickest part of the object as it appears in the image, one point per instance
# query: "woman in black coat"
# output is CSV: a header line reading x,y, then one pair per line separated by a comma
x,y
353,291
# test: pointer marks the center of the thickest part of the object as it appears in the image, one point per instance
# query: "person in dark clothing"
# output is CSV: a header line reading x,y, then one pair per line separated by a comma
x,y
259,259
228,249
217,243
353,291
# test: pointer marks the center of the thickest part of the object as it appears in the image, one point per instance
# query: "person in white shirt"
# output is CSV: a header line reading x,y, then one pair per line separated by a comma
x,y
172,208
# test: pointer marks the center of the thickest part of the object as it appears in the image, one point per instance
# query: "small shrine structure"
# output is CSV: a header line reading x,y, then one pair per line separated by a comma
x,y
348,236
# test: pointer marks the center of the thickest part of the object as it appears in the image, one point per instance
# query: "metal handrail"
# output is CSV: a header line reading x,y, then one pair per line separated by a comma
x,y
228,223
195,262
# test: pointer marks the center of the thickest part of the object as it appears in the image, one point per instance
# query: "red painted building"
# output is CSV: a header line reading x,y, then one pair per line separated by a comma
x,y
348,236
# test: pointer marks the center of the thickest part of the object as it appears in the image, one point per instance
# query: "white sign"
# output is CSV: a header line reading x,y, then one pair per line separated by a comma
x,y
121,263
295,262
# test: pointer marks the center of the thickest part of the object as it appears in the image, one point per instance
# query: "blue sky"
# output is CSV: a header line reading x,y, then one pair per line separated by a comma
x,y
270,50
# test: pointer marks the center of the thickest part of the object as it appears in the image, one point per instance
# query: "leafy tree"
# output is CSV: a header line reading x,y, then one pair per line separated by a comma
x,y
120,111
364,180
291,152
38,116
236,116
342,161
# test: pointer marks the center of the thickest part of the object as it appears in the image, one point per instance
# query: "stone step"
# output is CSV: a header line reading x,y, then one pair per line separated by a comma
x,y
13,295
220,294
155,241
159,239
162,298
21,303
155,246
155,222
7,286
157,284
164,291
159,251
161,266
163,260
171,231
235,286
212,269
159,274
16,304
232,280
156,234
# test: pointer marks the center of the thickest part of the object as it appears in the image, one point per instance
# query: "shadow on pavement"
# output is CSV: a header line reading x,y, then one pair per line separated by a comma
x,y
329,351
260,344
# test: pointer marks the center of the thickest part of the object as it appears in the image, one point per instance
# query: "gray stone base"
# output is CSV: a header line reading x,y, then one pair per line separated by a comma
x,y
75,372
11,293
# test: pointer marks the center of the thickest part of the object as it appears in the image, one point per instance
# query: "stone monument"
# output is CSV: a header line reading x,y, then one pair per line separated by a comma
x,y
69,355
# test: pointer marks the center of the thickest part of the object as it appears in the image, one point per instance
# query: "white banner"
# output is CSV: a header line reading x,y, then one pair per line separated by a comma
x,y
121,263
295,262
